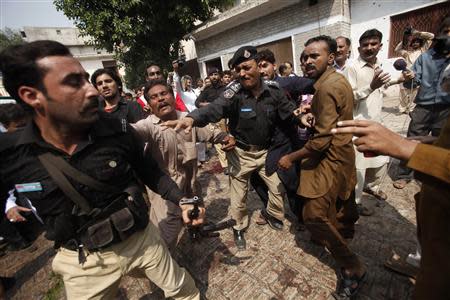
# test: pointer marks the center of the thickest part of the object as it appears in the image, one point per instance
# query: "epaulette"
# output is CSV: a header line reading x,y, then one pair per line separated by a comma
x,y
231,89
272,83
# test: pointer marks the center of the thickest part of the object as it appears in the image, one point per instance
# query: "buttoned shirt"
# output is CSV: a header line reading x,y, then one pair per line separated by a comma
x,y
368,103
251,119
174,151
112,154
429,69
332,164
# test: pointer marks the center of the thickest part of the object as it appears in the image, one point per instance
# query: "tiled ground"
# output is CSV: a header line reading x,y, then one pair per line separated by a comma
x,y
276,265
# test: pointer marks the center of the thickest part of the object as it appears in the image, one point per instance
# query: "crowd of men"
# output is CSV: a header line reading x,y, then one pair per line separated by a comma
x,y
80,153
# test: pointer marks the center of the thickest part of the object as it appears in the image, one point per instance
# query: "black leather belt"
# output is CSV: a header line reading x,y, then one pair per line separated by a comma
x,y
248,147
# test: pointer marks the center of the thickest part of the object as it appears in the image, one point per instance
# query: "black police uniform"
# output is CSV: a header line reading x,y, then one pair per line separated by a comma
x,y
210,94
251,120
112,154
295,86
285,140
128,110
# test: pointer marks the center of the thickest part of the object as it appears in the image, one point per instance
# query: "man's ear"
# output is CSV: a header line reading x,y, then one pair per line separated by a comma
x,y
331,57
31,96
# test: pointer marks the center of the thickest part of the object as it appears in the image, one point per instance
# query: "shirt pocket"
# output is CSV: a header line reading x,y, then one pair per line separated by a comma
x,y
247,119
189,152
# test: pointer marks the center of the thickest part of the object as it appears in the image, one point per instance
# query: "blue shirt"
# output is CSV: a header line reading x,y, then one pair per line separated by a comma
x,y
429,69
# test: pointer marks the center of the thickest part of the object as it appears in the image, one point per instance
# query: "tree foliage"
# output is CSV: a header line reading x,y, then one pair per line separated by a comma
x,y
138,31
9,37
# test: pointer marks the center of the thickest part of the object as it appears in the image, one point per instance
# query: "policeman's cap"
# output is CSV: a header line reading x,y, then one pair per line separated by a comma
x,y
243,54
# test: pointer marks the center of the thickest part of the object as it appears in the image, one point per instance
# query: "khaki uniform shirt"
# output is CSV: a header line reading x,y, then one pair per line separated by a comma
x,y
368,103
333,166
175,152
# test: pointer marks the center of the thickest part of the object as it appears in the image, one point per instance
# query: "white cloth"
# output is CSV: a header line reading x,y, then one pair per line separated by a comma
x,y
368,104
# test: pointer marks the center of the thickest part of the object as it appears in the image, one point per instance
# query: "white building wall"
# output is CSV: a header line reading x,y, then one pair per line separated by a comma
x,y
368,14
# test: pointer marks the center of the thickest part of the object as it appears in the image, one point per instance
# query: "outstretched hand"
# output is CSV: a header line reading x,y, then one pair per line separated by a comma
x,y
373,137
185,123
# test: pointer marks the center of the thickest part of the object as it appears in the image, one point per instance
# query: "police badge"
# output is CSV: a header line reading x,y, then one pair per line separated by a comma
x,y
228,94
247,54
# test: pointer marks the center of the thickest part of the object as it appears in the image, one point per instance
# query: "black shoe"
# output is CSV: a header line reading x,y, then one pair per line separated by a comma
x,y
239,239
272,221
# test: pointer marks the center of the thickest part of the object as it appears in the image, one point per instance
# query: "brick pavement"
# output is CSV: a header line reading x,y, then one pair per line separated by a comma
x,y
276,265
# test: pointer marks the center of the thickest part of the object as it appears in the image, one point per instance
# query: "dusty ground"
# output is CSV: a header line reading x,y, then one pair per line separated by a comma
x,y
276,265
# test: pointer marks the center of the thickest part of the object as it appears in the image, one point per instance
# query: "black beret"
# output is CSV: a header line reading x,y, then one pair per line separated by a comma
x,y
243,54
212,70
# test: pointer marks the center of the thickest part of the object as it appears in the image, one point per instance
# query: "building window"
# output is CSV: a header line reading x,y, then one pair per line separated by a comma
x,y
58,32
24,35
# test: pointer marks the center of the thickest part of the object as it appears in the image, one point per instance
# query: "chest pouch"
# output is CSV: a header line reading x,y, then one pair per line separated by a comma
x,y
126,214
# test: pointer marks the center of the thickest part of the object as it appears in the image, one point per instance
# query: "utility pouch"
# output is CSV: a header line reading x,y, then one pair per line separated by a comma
x,y
123,222
100,234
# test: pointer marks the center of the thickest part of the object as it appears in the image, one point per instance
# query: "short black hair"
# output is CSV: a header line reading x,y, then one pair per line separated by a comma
x,y
266,55
155,82
129,94
113,74
151,64
348,42
331,43
18,65
371,33
11,112
282,68
226,72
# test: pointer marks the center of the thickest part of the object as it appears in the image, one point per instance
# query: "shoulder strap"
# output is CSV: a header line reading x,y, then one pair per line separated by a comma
x,y
64,184
76,174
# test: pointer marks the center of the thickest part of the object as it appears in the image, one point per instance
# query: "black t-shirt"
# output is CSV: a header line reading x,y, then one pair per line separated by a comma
x,y
131,111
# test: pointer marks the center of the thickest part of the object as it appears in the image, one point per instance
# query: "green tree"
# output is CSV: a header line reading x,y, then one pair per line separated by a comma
x,y
9,37
139,31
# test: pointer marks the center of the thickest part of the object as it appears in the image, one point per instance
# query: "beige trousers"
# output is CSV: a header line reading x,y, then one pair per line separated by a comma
x,y
167,217
407,97
241,165
143,252
368,178
221,155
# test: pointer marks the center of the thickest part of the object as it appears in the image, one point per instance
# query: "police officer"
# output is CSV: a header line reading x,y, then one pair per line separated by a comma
x,y
253,107
212,92
78,172
285,138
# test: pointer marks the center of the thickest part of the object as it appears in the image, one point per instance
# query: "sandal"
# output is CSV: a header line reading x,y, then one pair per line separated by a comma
x,y
380,195
400,183
348,286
